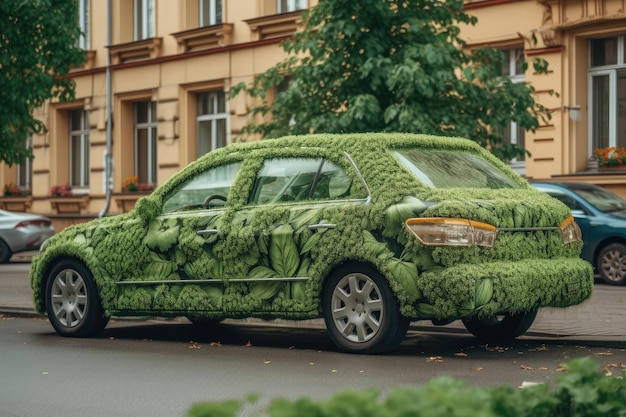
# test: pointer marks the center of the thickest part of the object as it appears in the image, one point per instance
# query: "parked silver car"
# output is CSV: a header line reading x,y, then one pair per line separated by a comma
x,y
21,232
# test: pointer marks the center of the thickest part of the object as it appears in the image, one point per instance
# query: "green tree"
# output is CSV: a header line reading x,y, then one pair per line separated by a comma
x,y
38,46
395,66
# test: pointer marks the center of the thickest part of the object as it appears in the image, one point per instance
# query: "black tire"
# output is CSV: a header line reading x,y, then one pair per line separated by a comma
x,y
611,264
501,327
361,313
5,252
72,301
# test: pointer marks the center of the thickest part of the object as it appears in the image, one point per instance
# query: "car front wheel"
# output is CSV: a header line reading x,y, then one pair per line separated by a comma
x,y
361,313
72,301
500,327
611,264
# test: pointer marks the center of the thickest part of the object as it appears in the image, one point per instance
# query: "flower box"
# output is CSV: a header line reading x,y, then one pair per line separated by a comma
x,y
70,204
16,203
610,157
126,201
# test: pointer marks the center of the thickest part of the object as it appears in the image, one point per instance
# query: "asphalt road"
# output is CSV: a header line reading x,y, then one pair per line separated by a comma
x,y
137,368
160,368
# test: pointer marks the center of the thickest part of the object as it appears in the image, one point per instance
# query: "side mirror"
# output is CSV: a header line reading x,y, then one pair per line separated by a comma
x,y
146,208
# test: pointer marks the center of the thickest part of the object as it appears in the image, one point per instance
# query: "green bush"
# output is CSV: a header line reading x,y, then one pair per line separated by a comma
x,y
580,392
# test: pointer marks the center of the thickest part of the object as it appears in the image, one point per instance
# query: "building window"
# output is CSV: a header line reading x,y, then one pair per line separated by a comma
x,y
210,12
211,119
83,22
79,148
607,95
513,67
286,6
146,142
25,169
143,12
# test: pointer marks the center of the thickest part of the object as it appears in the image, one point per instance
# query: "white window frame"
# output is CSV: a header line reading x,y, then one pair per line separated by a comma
x,y
213,8
611,72
24,177
83,22
143,28
212,118
517,165
287,6
82,136
152,138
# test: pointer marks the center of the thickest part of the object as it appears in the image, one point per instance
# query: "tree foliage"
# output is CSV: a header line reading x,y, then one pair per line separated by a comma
x,y
38,46
392,66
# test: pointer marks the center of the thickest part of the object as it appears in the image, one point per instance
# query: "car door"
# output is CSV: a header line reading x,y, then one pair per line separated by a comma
x,y
183,272
288,215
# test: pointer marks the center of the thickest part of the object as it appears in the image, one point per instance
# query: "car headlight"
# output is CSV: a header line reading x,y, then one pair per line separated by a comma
x,y
452,232
570,231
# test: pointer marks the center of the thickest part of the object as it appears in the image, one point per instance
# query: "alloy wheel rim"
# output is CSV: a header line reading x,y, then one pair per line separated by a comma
x,y
357,308
614,266
69,298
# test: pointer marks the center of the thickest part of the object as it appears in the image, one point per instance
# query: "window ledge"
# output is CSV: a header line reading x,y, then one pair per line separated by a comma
x,y
134,51
89,63
204,38
274,26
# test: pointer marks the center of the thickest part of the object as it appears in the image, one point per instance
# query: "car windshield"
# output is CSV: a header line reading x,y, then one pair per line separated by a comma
x,y
602,199
453,169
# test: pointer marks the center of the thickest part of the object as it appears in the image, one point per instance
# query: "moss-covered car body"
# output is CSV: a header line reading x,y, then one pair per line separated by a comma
x,y
223,238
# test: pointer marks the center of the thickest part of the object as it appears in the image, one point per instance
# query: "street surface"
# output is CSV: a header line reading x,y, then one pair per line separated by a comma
x,y
160,368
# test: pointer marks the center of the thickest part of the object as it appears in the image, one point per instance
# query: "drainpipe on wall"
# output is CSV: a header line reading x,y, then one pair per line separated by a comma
x,y
108,157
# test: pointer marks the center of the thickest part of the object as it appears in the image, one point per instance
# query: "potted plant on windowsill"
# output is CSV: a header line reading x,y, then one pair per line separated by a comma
x,y
611,158
132,190
15,198
63,199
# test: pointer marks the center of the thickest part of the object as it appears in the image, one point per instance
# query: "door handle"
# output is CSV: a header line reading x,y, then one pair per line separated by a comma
x,y
322,226
207,232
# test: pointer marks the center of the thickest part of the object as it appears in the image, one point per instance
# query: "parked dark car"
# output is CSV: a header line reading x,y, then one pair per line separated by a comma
x,y
601,216
368,231
21,232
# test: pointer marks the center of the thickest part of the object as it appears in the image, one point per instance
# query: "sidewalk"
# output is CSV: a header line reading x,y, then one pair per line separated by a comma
x,y
601,318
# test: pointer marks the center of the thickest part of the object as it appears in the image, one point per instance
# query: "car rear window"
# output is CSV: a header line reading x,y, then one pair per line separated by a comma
x,y
453,169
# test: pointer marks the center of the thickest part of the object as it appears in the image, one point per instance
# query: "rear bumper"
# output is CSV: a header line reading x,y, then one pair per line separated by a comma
x,y
501,287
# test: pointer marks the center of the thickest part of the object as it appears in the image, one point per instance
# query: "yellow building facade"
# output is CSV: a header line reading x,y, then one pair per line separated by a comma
x,y
171,64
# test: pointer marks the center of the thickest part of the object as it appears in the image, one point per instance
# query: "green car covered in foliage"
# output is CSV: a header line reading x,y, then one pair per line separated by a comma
x,y
368,231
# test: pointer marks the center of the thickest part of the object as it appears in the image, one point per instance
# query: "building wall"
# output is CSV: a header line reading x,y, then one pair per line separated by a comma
x,y
182,60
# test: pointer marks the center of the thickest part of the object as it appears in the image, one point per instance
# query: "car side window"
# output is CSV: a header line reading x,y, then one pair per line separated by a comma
x,y
208,189
570,202
298,179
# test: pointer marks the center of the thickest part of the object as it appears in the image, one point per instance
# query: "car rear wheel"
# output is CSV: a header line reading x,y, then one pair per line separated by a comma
x,y
361,313
5,252
72,301
611,264
500,327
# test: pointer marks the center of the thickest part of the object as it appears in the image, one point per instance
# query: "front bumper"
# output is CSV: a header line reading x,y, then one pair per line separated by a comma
x,y
503,287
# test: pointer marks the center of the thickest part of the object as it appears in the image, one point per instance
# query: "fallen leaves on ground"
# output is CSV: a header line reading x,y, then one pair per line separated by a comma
x,y
499,349
434,359
530,368
608,372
